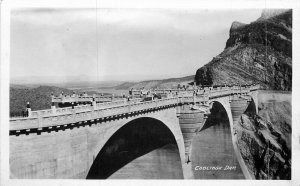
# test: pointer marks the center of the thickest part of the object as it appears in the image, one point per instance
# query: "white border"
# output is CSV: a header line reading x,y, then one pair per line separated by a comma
x,y
174,4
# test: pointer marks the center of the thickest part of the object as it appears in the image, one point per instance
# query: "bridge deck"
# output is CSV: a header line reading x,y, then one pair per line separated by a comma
x,y
68,115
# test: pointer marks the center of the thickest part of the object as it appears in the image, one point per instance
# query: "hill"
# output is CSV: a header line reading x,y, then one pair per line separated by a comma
x,y
259,52
164,83
39,98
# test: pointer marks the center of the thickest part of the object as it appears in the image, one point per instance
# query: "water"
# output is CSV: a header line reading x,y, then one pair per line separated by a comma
x,y
161,163
210,148
213,149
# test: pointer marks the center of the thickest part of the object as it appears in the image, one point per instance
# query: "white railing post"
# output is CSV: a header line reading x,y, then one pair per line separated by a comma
x,y
93,108
53,108
73,114
28,110
129,106
194,98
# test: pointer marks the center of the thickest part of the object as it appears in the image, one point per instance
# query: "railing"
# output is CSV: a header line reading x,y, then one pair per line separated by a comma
x,y
191,89
67,115
90,113
76,98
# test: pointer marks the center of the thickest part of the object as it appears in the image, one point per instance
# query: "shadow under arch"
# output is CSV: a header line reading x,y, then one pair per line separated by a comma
x,y
251,109
133,140
213,153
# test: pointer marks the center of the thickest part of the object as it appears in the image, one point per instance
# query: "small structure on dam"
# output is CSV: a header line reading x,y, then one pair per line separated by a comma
x,y
191,119
79,141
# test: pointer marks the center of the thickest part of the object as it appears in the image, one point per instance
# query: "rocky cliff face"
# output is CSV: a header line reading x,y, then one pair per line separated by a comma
x,y
264,139
259,52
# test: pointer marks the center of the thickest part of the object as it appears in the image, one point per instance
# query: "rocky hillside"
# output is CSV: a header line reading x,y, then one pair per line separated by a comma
x,y
259,52
265,139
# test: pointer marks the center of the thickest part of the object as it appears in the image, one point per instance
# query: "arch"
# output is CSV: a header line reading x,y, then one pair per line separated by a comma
x,y
216,145
218,111
133,140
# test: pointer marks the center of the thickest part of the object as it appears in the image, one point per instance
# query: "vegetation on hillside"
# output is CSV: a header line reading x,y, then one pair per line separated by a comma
x,y
39,98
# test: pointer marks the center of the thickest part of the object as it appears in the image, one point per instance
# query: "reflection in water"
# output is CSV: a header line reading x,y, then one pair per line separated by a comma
x,y
213,149
161,163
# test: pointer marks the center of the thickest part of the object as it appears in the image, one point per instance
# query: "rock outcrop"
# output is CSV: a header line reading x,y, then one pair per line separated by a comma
x,y
259,52
264,140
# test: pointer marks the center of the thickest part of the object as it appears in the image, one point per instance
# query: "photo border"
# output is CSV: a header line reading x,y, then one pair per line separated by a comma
x,y
7,5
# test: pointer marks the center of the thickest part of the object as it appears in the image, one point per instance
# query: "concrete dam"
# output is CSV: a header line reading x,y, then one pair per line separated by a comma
x,y
185,134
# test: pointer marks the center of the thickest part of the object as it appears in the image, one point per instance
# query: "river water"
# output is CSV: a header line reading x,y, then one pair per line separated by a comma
x,y
162,163
212,147
213,155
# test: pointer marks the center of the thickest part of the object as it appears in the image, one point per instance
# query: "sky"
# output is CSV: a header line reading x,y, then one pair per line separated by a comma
x,y
118,44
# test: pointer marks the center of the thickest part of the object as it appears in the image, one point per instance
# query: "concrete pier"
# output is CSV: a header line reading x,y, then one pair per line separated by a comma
x,y
238,106
190,122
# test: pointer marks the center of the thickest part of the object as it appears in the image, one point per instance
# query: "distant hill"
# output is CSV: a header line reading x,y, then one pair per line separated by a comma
x,y
28,82
89,84
18,86
164,83
39,98
259,52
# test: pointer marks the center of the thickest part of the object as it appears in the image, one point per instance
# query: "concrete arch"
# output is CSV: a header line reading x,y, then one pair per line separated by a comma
x,y
231,139
70,153
226,104
165,122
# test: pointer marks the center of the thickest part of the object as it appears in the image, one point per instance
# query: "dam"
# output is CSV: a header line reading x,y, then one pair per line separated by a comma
x,y
162,138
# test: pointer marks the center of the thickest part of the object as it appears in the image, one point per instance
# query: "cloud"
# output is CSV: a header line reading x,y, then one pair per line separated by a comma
x,y
52,16
130,42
